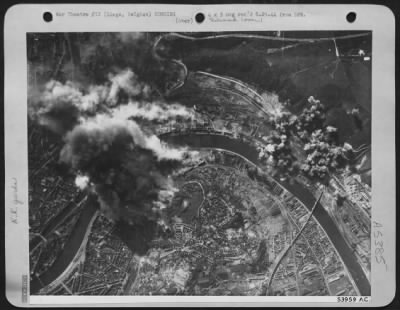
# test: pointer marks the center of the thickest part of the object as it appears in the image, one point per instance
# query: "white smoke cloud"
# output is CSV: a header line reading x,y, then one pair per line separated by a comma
x,y
131,36
55,91
270,148
82,181
127,81
331,129
91,119
91,101
156,110
166,193
88,100
102,123
162,150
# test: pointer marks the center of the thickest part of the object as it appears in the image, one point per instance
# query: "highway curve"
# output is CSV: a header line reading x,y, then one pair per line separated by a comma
x,y
70,250
244,149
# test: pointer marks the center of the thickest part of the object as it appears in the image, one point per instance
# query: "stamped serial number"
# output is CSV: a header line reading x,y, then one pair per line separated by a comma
x,y
353,299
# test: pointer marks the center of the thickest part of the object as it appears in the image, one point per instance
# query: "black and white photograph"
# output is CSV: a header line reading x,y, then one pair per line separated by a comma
x,y
200,163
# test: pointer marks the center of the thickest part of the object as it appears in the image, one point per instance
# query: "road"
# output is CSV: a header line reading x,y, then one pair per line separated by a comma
x,y
244,149
217,141
237,87
285,251
54,223
71,248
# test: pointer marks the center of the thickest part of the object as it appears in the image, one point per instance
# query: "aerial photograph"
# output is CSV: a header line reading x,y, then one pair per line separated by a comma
x,y
200,163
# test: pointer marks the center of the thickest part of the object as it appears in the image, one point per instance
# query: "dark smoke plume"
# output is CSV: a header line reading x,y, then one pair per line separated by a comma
x,y
109,138
129,170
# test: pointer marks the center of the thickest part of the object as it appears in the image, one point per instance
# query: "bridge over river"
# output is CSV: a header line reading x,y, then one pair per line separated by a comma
x,y
242,148
248,151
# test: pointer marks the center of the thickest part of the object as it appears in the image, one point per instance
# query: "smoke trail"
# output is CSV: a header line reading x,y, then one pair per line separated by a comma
x,y
127,167
101,133
156,110
128,82
82,181
63,106
105,114
56,107
130,171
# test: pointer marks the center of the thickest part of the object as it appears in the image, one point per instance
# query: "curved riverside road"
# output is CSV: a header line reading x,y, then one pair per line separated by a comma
x,y
54,223
300,232
70,250
236,87
249,152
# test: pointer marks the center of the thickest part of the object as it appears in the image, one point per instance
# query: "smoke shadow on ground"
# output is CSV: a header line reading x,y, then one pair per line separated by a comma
x,y
137,237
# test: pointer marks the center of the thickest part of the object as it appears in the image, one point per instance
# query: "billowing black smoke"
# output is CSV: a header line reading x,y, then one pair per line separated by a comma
x,y
129,170
110,152
56,106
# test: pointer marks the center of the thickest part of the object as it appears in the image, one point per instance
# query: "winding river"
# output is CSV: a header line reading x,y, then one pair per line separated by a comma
x,y
249,152
217,141
244,149
70,250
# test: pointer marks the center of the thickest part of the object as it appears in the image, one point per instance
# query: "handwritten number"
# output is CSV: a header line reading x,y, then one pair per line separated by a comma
x,y
378,234
377,225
